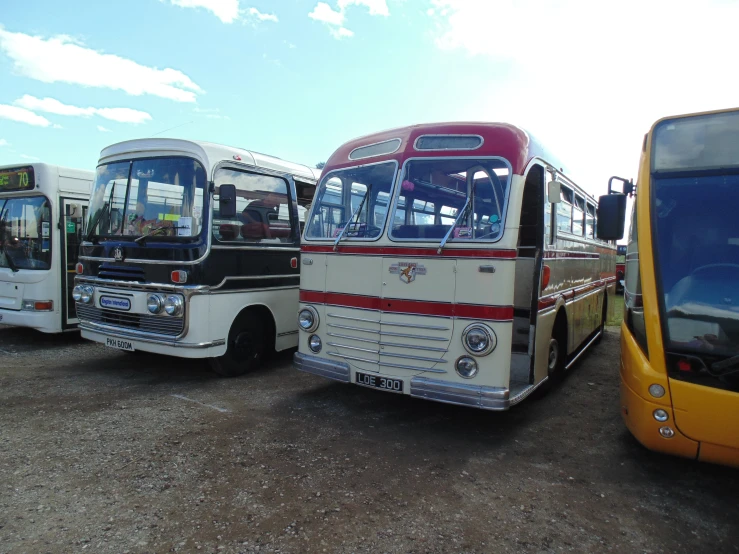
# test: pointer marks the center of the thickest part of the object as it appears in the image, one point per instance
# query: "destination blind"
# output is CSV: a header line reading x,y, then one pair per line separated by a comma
x,y
17,179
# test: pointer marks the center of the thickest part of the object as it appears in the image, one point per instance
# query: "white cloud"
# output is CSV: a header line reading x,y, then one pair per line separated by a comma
x,y
335,18
27,157
225,10
255,13
211,113
4,142
590,79
63,59
104,129
22,115
324,12
52,105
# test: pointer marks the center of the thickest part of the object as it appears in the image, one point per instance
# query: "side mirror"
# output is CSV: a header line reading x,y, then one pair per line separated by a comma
x,y
554,191
74,210
611,216
227,201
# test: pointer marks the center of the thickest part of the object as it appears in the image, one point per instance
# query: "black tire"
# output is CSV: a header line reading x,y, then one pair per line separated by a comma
x,y
245,348
556,354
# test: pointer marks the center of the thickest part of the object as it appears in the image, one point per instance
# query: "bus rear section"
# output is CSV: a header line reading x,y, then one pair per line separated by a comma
x,y
680,336
41,214
421,268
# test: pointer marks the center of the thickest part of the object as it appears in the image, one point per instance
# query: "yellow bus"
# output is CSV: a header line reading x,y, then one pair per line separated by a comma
x,y
680,335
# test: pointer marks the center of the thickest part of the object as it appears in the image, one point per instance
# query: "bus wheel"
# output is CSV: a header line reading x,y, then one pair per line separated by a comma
x,y
557,351
245,349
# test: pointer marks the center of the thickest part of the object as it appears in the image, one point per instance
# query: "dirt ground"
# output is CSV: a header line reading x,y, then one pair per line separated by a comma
x,y
107,451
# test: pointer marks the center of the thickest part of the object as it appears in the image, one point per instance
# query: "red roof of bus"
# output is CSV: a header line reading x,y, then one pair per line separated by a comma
x,y
499,139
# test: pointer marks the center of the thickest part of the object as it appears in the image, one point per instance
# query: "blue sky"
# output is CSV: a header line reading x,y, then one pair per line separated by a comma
x,y
296,78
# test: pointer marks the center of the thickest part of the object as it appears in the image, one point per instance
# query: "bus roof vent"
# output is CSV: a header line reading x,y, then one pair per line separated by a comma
x,y
448,142
377,149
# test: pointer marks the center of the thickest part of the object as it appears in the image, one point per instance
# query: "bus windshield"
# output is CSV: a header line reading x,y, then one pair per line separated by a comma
x,y
139,197
433,192
25,241
359,194
697,247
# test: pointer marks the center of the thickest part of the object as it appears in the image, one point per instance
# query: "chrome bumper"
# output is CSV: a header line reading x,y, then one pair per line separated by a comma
x,y
122,332
486,398
337,371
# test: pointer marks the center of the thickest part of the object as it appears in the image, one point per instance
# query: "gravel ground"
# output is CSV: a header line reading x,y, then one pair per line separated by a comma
x,y
107,451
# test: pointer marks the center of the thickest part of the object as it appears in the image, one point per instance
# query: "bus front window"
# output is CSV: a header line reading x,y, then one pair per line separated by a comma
x,y
697,244
25,233
432,193
141,197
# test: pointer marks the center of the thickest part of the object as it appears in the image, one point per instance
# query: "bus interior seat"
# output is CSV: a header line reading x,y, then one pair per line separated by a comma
x,y
255,231
228,231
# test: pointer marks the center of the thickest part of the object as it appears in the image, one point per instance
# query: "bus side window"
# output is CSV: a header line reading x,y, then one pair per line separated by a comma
x,y
564,211
578,214
590,221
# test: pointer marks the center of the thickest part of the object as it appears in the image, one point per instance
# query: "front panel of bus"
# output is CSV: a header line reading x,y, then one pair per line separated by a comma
x,y
681,330
29,257
160,265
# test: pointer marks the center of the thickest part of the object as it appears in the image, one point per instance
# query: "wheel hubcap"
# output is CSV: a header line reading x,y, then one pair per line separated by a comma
x,y
553,355
243,347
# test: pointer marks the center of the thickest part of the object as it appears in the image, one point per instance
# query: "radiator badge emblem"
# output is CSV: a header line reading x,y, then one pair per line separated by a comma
x,y
407,271
118,254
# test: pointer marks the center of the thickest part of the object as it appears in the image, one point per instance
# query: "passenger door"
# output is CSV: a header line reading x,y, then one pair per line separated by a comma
x,y
70,237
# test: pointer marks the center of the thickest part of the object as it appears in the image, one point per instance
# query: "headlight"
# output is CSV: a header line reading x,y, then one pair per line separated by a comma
x,y
173,305
308,319
479,339
466,367
155,303
314,343
86,294
77,293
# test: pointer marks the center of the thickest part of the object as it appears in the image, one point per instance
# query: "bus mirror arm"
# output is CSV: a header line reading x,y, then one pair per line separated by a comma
x,y
628,186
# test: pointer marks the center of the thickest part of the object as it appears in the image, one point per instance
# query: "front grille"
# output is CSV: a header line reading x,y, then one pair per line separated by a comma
x,y
389,342
161,325
121,273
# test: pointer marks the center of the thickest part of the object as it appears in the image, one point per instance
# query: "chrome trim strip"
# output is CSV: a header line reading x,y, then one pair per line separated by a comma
x,y
231,291
187,290
376,362
413,326
527,391
325,368
407,336
129,334
353,318
353,348
486,398
347,327
412,357
352,338
413,368
582,351
223,246
400,345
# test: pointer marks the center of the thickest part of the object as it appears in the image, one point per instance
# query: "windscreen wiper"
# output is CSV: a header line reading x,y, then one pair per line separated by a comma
x,y
143,238
462,212
94,221
728,363
11,263
359,209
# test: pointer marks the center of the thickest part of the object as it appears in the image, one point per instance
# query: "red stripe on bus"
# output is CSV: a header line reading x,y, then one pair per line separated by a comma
x,y
420,307
404,251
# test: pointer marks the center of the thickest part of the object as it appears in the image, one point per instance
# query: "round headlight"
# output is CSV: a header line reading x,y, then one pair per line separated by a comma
x,y
155,303
314,343
479,339
308,319
86,294
466,367
77,293
173,305
661,415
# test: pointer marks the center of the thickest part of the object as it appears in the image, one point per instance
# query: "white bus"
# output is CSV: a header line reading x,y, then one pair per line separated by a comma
x,y
191,250
453,262
41,214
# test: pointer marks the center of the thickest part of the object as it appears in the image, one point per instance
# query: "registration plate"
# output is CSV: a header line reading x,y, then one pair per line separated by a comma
x,y
378,382
119,344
